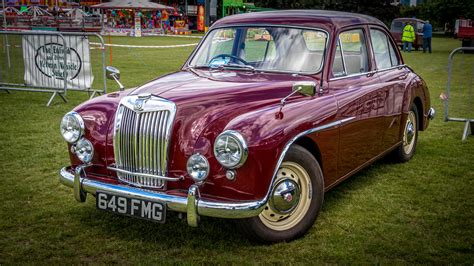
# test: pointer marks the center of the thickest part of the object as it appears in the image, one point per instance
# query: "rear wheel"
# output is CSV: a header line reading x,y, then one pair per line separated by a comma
x,y
410,137
295,200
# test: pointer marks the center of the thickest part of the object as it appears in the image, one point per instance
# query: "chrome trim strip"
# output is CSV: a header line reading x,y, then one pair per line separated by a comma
x,y
390,68
367,73
174,179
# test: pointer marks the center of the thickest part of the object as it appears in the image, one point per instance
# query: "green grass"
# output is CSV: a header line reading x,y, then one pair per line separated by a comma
x,y
418,212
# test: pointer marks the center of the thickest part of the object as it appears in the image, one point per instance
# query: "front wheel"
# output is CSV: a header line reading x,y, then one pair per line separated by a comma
x,y
295,200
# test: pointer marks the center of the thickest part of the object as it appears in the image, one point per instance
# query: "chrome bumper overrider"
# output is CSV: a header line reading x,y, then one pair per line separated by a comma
x,y
431,113
192,205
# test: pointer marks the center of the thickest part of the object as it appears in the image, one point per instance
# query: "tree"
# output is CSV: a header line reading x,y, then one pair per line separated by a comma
x,y
440,12
381,9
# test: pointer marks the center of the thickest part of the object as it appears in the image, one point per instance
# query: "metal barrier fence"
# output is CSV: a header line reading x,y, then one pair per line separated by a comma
x,y
52,62
459,98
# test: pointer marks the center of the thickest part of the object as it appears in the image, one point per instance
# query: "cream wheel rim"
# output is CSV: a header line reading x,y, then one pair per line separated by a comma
x,y
280,222
409,134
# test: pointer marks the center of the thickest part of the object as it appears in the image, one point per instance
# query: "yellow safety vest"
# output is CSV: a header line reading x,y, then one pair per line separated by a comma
x,y
408,34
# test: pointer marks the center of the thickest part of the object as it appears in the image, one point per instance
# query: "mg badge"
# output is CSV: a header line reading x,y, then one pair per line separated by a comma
x,y
140,101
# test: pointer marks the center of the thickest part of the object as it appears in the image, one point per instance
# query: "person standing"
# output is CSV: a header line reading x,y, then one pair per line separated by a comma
x,y
408,36
427,34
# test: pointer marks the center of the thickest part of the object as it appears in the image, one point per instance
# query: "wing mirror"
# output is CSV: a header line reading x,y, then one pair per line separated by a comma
x,y
307,88
114,74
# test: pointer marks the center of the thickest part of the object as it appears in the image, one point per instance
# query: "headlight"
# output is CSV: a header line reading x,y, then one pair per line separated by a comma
x,y
198,167
72,127
84,150
230,149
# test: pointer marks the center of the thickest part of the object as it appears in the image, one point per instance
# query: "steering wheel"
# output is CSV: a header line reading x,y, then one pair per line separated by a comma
x,y
230,56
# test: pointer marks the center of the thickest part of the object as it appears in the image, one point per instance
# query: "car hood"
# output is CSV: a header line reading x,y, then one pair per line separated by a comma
x,y
208,100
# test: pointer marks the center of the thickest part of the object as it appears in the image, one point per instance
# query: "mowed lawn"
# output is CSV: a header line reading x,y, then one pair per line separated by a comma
x,y
418,212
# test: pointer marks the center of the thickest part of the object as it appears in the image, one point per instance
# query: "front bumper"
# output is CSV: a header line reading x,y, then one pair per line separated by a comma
x,y
193,205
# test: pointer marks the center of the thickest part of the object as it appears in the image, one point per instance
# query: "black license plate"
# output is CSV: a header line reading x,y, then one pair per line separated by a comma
x,y
139,208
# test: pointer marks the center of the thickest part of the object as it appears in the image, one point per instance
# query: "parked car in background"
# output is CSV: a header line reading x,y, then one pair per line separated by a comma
x,y
396,29
271,110
464,31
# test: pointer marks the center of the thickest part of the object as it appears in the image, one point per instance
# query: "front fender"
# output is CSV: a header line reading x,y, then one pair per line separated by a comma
x,y
268,132
98,115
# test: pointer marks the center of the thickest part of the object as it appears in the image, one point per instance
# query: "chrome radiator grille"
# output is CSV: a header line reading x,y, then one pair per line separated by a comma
x,y
141,143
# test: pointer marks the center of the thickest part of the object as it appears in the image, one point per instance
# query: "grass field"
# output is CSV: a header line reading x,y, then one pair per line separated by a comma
x,y
418,212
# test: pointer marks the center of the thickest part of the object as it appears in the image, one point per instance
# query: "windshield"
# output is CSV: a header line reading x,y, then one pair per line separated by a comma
x,y
263,48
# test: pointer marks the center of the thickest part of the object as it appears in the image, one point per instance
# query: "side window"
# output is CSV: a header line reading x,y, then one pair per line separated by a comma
x,y
351,54
338,65
393,54
259,46
315,40
384,52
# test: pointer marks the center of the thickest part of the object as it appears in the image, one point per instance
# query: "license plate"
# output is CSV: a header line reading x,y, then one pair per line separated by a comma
x,y
139,208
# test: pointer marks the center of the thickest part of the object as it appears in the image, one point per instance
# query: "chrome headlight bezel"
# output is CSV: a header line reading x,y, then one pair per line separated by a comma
x,y
198,167
79,123
241,144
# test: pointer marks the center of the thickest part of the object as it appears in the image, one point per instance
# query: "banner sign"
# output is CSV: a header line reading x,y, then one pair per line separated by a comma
x,y
138,26
45,65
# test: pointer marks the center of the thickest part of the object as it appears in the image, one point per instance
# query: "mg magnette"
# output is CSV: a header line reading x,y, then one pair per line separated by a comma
x,y
270,111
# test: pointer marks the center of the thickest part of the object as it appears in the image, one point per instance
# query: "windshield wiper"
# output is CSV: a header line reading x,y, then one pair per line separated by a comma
x,y
236,66
226,66
197,67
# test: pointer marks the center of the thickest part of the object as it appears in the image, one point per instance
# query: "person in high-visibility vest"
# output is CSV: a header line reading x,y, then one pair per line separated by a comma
x,y
408,37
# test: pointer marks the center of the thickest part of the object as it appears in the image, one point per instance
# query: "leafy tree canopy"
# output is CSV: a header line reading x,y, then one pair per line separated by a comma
x,y
381,9
438,12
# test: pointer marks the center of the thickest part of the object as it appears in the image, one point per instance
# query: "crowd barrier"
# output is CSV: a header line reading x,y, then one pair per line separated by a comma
x,y
459,97
52,62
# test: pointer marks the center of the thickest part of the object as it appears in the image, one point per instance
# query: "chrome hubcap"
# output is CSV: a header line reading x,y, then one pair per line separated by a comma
x,y
290,199
285,196
409,133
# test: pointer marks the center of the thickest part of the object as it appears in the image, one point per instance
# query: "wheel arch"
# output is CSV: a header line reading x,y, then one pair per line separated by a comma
x,y
419,106
310,145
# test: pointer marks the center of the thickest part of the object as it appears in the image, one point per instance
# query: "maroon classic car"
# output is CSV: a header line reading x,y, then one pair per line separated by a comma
x,y
271,110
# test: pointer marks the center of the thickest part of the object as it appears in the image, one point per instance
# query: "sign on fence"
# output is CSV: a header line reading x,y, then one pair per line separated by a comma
x,y
45,65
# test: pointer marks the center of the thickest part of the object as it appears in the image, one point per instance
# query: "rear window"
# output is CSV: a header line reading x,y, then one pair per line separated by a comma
x,y
397,26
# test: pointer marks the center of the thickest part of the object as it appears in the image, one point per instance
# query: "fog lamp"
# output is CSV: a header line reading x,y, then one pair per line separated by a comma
x,y
198,167
84,150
